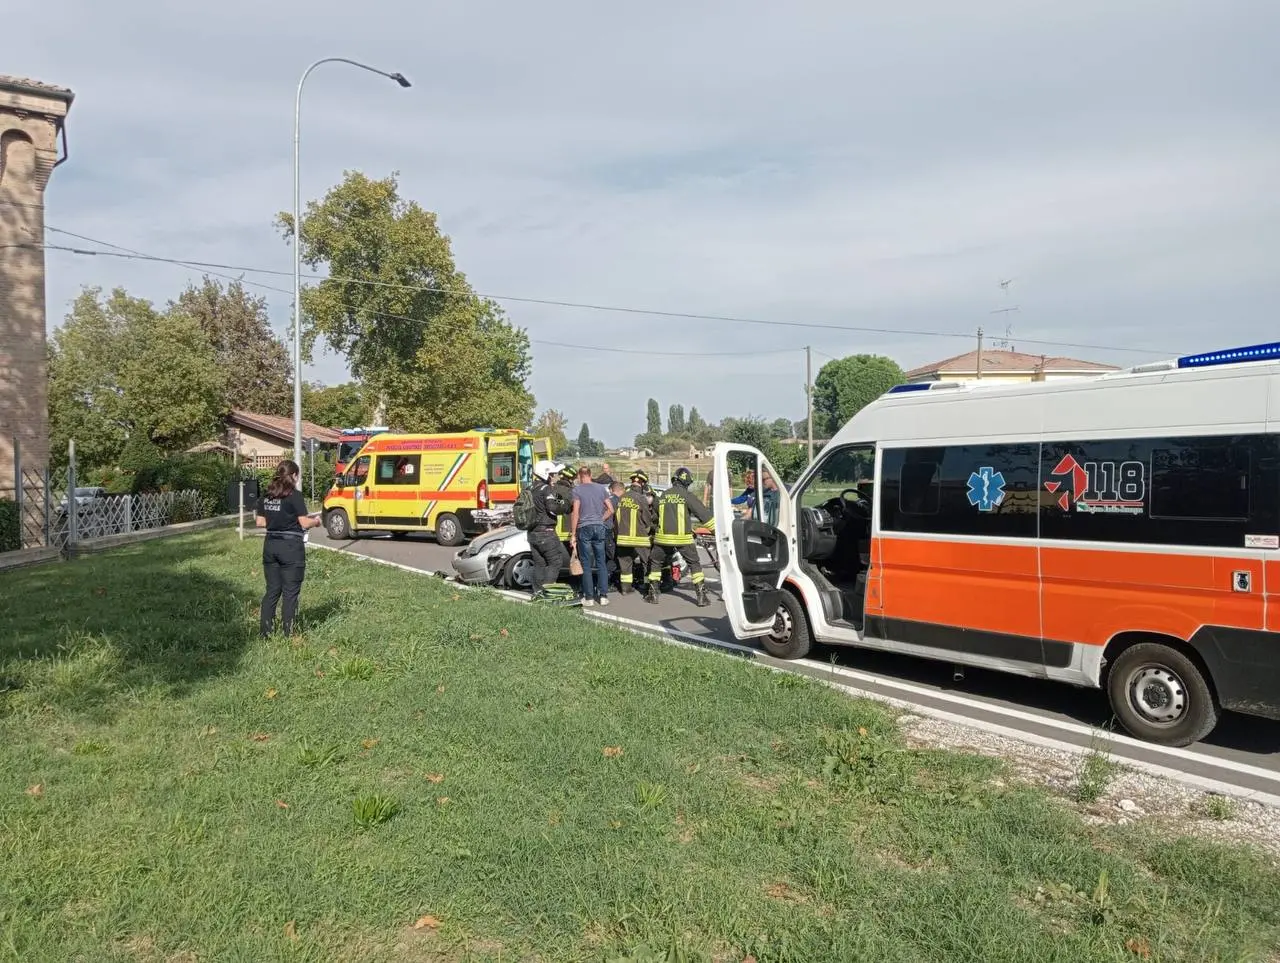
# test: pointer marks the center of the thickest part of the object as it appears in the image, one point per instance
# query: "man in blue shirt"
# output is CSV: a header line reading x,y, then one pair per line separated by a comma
x,y
592,512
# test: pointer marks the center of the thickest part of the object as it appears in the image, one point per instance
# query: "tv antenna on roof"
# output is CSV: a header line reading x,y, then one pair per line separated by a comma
x,y
1005,343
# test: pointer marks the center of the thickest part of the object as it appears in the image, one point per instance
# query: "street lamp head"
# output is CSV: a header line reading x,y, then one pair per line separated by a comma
x,y
401,79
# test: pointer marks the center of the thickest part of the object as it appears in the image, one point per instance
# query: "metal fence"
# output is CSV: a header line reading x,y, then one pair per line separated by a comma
x,y
53,511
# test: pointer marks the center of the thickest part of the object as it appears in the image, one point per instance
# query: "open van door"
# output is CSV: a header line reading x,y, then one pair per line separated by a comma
x,y
753,538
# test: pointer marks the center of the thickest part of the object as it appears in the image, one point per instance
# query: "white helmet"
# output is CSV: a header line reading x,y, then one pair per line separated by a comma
x,y
545,469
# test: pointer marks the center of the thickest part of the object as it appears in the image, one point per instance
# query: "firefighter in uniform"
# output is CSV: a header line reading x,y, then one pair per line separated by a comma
x,y
563,484
634,519
677,508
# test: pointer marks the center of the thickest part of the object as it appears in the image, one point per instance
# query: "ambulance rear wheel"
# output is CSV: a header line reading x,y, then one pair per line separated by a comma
x,y
337,524
1160,695
449,529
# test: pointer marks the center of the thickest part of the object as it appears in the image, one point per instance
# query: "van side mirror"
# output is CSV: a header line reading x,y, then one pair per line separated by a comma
x,y
340,483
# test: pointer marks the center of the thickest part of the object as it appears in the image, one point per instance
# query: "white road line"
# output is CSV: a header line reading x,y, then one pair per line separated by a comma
x,y
854,676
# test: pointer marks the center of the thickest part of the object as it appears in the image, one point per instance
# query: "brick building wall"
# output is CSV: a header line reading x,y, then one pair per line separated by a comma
x,y
31,119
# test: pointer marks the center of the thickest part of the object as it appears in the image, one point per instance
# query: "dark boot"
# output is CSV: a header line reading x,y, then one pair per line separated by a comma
x,y
626,587
702,599
651,594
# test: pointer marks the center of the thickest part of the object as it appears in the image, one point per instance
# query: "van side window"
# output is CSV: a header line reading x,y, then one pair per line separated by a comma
x,y
398,469
961,490
1205,491
1205,480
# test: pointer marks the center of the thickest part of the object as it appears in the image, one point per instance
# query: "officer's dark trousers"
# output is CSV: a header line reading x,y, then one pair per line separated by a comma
x,y
662,554
633,557
549,557
284,563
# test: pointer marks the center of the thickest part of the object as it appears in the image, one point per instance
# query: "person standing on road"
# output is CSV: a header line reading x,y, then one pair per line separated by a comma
x,y
633,522
592,513
604,478
677,506
616,489
282,511
549,555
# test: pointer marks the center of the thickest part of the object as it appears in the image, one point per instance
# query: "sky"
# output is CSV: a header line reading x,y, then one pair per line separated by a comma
x,y
840,165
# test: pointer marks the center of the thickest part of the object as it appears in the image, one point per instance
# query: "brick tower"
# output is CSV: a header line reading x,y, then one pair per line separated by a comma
x,y
32,116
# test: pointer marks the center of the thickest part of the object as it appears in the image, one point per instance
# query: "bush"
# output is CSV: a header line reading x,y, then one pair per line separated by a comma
x,y
10,526
208,474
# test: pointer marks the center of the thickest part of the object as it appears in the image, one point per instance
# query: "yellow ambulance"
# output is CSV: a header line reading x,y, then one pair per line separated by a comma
x,y
431,483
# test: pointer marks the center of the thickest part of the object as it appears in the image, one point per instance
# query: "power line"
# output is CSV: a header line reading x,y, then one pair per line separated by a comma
x,y
401,317
619,309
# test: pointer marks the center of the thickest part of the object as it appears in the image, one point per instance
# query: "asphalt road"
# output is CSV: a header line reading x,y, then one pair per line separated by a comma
x,y
1242,751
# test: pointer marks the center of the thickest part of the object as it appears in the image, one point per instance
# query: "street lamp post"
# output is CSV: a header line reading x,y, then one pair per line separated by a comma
x,y
297,239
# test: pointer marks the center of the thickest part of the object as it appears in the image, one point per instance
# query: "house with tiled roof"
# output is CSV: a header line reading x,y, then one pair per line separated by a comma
x,y
262,440
1006,366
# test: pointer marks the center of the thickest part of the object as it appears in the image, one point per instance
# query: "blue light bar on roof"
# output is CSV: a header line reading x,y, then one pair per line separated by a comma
x,y
900,389
1256,352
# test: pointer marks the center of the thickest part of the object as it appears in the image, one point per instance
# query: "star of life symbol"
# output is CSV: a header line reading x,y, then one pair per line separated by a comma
x,y
986,489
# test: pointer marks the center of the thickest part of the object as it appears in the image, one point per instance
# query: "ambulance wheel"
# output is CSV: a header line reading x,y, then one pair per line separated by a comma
x,y
790,637
337,524
518,573
449,530
1159,695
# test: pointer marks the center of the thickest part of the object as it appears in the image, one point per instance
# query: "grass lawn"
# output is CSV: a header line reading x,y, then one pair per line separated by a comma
x,y
428,774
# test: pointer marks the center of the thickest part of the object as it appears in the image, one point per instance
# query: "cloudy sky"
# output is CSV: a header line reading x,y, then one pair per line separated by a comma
x,y
830,164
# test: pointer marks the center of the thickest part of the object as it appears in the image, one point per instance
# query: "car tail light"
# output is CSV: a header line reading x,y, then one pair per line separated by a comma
x,y
482,495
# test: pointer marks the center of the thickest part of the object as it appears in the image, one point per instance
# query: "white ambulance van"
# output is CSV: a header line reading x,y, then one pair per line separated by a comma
x,y
1119,532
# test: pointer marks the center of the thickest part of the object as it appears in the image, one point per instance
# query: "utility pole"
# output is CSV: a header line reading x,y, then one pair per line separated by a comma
x,y
808,392
979,365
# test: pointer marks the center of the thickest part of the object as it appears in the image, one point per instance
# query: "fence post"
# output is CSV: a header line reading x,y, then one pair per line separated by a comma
x,y
128,513
240,517
72,505
17,492
48,507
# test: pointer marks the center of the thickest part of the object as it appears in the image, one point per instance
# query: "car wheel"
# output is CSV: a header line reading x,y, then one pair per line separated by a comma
x,y
790,637
1160,695
518,573
337,524
449,529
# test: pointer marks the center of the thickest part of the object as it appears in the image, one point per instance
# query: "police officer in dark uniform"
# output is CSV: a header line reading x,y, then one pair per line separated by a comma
x,y
677,508
282,511
549,554
634,520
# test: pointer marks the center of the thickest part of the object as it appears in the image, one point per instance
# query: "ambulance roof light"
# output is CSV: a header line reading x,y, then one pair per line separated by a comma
x,y
923,386
1253,352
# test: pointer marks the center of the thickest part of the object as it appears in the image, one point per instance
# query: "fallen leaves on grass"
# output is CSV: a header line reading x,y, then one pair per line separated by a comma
x,y
282,804
260,736
369,743
270,694
503,632
435,777
291,930
100,591
209,731
440,688
442,801
612,752
1138,947
36,791
427,923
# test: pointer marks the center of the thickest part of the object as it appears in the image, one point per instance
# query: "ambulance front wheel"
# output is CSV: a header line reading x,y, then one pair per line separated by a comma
x,y
790,637
337,524
449,529
1161,696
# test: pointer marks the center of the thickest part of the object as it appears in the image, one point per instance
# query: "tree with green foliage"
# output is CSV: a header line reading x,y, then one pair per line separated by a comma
x,y
259,372
586,446
117,367
439,357
845,387
780,428
675,420
336,406
172,382
653,418
695,422
551,424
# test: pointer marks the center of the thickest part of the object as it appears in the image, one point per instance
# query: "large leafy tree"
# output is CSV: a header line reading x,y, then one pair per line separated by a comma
x,y
335,406
436,355
259,373
551,424
120,369
675,420
653,418
845,387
